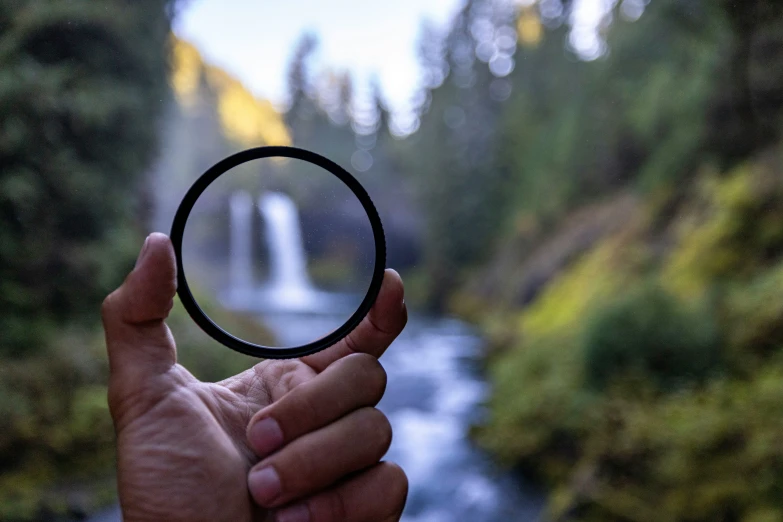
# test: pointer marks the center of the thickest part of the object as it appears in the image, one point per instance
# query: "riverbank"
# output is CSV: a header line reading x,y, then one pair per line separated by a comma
x,y
641,379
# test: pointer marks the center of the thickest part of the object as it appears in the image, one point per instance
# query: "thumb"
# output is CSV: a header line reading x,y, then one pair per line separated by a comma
x,y
139,343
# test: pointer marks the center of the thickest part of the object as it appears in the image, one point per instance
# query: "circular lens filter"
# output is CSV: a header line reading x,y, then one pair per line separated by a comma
x,y
281,239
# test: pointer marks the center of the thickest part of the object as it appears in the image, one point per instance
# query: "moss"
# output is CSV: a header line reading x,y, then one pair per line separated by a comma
x,y
684,456
636,447
754,316
729,231
539,379
559,309
707,240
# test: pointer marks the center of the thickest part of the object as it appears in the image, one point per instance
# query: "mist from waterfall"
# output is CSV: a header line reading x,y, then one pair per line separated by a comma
x,y
241,264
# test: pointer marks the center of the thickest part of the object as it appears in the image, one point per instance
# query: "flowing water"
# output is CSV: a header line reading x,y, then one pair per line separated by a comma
x,y
241,260
434,392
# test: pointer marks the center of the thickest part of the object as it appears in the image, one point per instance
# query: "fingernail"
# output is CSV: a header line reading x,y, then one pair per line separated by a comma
x,y
298,513
265,485
266,436
143,251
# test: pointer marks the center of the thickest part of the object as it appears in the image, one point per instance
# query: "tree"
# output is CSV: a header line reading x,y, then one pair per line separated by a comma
x,y
299,89
81,85
452,156
745,114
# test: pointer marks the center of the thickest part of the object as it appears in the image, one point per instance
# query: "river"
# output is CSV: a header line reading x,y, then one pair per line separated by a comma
x,y
434,394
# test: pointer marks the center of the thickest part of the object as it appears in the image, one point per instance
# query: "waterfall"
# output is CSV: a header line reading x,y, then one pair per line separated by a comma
x,y
241,268
289,284
288,288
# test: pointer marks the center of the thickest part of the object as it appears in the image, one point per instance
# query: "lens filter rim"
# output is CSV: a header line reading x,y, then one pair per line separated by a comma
x,y
240,345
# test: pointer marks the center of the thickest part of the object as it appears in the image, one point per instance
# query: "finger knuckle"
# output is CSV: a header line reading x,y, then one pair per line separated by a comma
x,y
108,305
373,377
396,486
335,505
289,377
305,407
377,426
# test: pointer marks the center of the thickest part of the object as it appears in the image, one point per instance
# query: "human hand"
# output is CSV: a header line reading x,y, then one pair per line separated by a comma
x,y
290,441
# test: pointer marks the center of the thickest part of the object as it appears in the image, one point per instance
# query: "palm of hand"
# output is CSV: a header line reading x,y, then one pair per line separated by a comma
x,y
210,464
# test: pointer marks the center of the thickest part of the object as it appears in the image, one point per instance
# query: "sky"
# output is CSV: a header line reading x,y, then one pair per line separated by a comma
x,y
254,39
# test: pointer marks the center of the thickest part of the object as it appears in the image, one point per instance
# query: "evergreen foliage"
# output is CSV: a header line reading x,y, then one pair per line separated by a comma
x,y
81,88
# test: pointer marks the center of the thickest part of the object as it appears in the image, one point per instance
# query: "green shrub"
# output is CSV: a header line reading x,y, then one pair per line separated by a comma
x,y
754,317
649,333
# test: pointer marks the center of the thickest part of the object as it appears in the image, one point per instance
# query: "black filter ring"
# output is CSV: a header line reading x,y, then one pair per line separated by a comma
x,y
256,350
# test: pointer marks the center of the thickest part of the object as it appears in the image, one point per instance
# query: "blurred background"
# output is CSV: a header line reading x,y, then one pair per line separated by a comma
x,y
584,197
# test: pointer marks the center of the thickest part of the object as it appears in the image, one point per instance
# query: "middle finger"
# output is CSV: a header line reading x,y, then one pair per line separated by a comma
x,y
321,458
351,383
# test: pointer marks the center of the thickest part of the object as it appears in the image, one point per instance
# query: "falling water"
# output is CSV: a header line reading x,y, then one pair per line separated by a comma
x,y
289,285
288,288
241,271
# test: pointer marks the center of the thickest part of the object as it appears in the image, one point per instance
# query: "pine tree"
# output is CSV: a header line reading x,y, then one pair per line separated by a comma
x,y
301,106
81,86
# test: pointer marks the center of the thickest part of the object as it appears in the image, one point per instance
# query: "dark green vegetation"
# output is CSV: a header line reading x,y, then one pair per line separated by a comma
x,y
80,90
648,333
644,383
79,96
82,87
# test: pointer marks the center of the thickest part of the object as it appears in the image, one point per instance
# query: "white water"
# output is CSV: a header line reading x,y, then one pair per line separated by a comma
x,y
289,285
241,263
433,396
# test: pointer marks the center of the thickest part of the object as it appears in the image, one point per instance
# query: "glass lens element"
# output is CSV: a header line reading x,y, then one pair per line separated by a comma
x,y
278,252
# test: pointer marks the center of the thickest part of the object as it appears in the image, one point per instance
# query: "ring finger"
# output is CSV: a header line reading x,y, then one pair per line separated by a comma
x,y
377,494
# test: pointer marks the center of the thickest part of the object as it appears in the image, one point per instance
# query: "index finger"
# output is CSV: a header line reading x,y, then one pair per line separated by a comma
x,y
375,333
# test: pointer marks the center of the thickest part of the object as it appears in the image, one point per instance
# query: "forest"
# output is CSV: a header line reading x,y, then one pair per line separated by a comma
x,y
612,224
